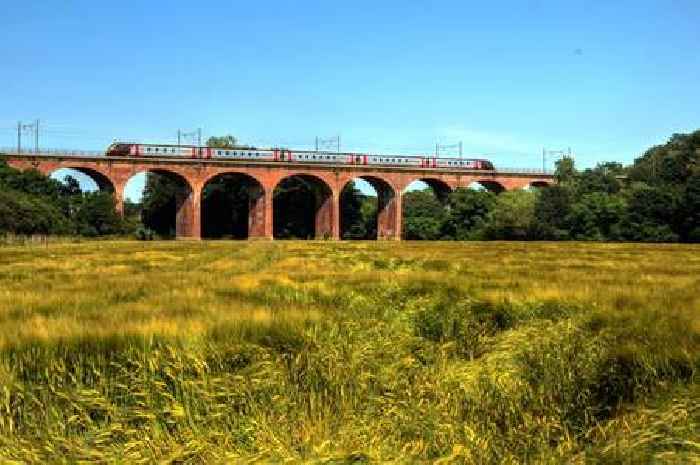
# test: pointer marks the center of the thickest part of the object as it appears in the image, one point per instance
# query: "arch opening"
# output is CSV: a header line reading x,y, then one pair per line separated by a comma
x,y
233,207
89,180
167,205
491,186
303,208
368,211
538,184
425,209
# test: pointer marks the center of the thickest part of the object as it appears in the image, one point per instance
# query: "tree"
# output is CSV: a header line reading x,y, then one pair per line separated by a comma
x,y
32,203
423,216
690,229
512,216
352,222
602,178
223,142
552,207
159,207
97,215
597,216
22,213
565,171
651,213
226,206
467,209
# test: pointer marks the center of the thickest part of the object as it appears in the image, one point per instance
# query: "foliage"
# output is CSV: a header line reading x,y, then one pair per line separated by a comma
x,y
224,352
226,205
159,203
512,216
31,203
657,199
552,209
423,215
223,142
467,212
355,223
97,215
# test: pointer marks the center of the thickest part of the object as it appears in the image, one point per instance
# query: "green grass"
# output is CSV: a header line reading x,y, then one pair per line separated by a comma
x,y
349,352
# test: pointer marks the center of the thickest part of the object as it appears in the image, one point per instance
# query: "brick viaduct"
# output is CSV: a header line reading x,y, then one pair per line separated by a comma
x,y
113,173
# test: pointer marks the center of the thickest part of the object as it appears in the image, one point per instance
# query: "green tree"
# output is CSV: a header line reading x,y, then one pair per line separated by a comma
x,y
226,206
512,216
352,222
224,142
467,209
552,208
602,178
565,171
22,213
597,216
651,213
690,229
423,215
97,215
159,207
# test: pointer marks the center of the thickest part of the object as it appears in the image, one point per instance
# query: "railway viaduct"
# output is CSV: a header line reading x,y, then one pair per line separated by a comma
x,y
328,181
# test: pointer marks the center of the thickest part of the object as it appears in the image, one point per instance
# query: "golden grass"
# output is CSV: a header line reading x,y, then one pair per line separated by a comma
x,y
315,351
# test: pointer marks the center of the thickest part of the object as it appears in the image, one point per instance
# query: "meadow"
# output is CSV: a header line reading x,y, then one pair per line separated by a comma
x,y
349,352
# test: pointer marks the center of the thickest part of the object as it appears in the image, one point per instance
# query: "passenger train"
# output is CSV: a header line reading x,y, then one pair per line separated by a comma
x,y
242,153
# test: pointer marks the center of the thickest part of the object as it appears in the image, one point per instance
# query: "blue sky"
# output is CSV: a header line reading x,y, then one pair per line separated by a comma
x,y
608,79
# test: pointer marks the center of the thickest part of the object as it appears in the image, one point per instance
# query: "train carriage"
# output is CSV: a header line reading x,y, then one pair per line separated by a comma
x,y
125,149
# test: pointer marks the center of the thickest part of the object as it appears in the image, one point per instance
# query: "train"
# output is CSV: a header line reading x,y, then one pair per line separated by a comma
x,y
245,153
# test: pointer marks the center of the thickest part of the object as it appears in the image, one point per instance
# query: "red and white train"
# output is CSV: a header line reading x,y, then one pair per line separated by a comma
x,y
124,149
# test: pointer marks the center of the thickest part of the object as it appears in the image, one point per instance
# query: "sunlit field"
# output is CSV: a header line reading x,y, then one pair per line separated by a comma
x,y
326,352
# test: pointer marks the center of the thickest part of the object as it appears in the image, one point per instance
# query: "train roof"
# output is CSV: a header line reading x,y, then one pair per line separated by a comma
x,y
247,147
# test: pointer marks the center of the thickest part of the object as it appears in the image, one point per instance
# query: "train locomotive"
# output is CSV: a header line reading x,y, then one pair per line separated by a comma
x,y
243,153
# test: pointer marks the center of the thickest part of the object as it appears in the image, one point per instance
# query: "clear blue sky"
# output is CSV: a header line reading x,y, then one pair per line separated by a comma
x,y
608,79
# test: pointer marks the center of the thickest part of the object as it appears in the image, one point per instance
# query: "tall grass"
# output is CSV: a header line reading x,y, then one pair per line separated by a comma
x,y
349,352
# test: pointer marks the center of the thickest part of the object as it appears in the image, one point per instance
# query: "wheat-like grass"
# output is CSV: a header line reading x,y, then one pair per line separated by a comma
x,y
348,352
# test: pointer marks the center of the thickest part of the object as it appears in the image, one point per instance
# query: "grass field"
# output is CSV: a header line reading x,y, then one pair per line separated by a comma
x,y
350,352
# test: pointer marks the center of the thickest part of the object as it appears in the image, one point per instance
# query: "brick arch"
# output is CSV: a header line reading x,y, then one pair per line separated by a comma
x,y
187,198
539,184
388,202
211,176
440,187
258,201
491,185
103,180
327,215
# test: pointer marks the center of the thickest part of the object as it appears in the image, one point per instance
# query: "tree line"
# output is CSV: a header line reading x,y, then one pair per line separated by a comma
x,y
655,199
34,204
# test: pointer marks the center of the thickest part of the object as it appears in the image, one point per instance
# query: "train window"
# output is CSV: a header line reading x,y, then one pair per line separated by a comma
x,y
148,149
156,149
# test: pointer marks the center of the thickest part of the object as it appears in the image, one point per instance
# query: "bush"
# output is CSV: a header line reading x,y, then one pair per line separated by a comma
x,y
145,234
